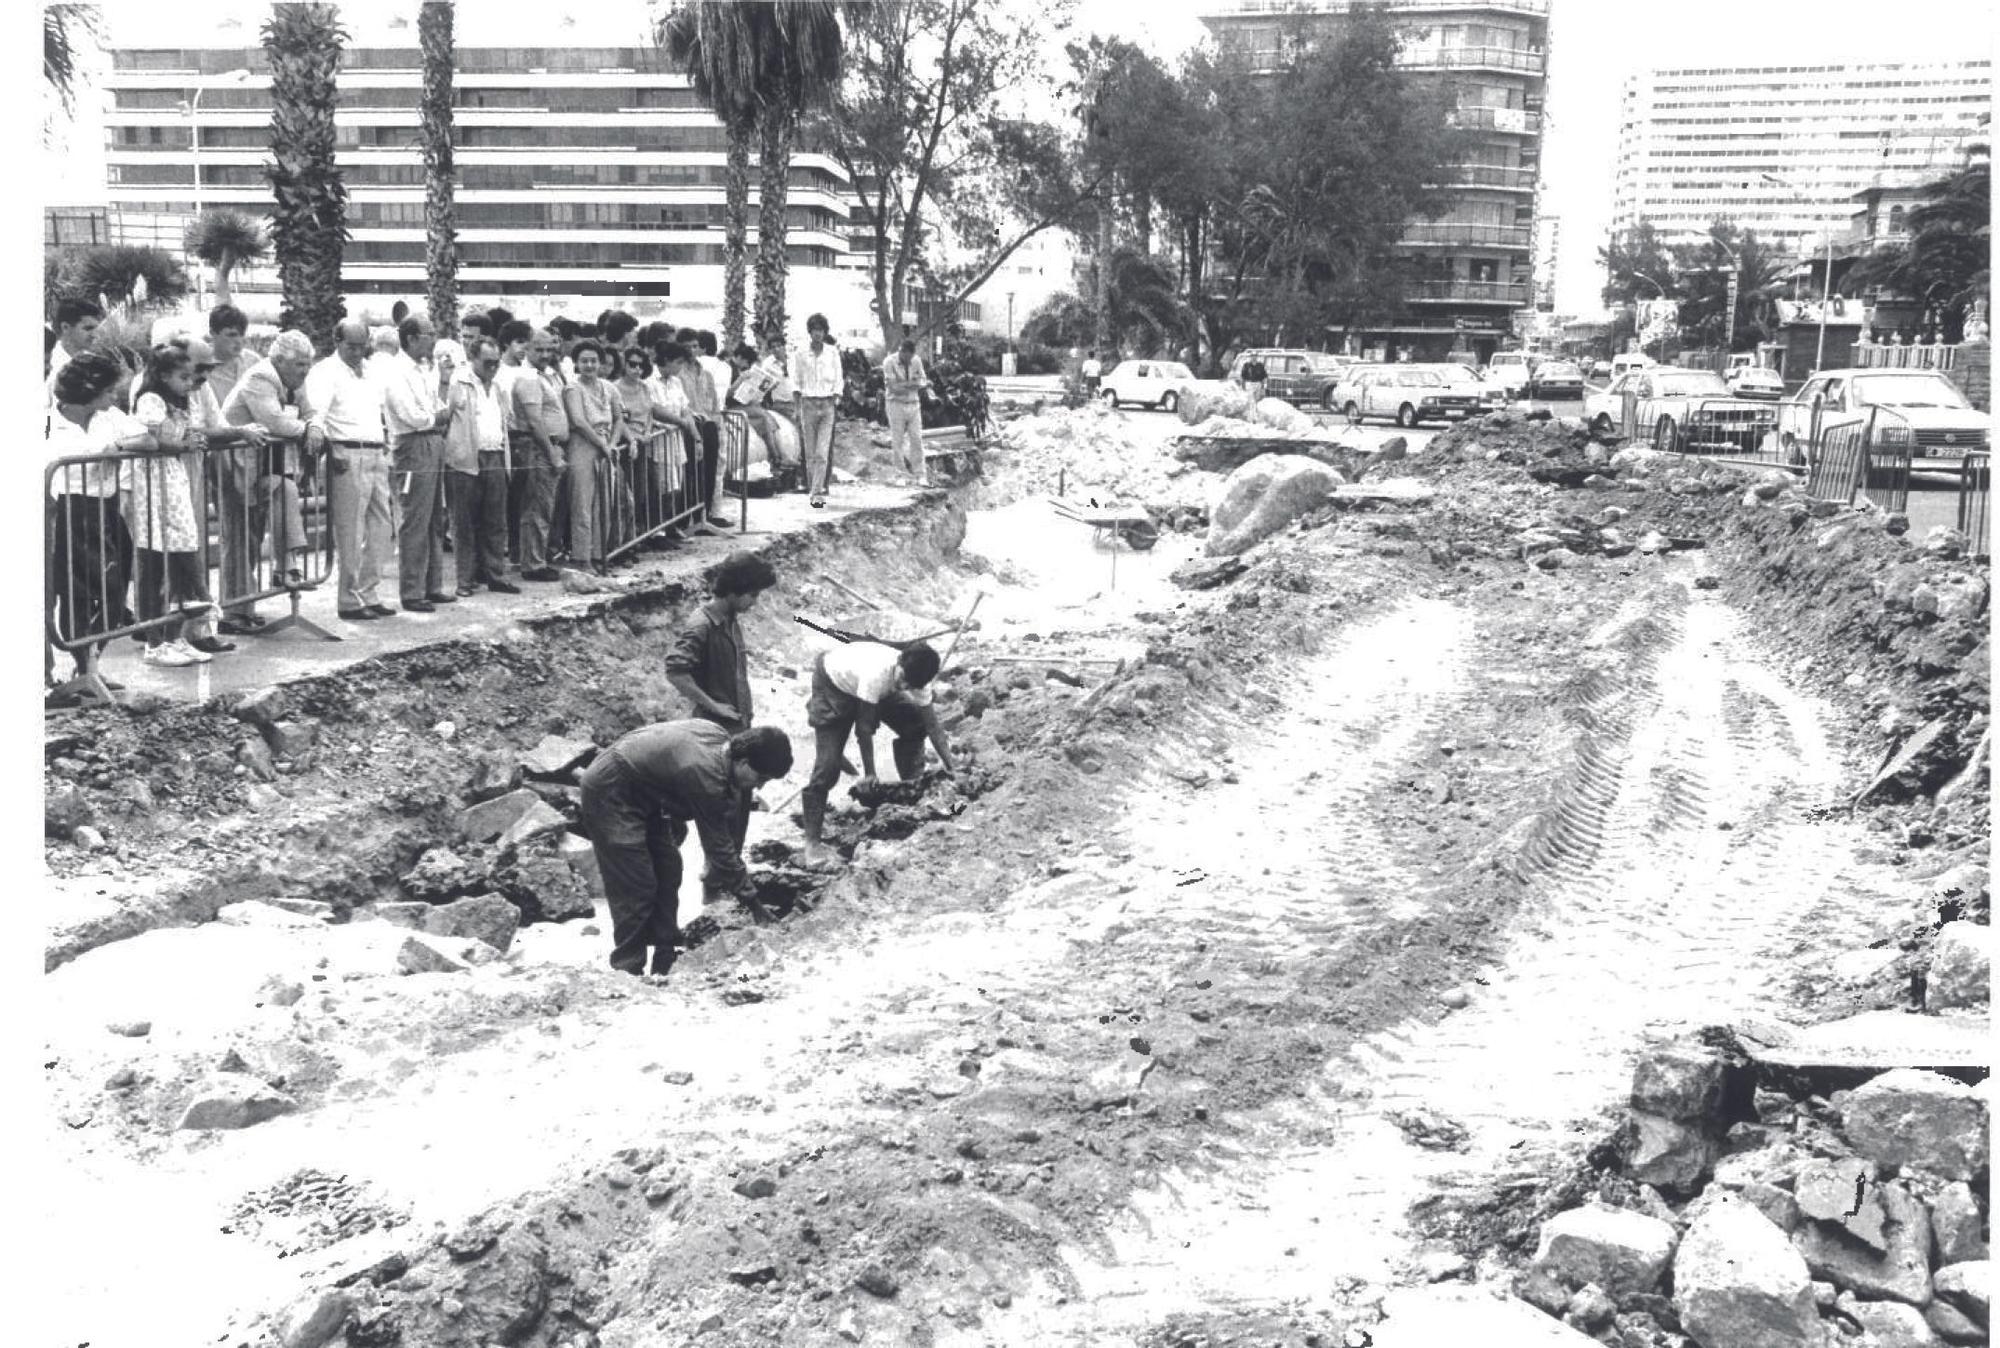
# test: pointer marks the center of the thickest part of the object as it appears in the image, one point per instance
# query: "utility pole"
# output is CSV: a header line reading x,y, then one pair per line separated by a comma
x,y
1826,281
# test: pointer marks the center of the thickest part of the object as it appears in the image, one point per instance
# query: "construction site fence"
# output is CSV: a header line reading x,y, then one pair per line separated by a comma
x,y
1975,485
1728,427
664,480
141,542
1838,459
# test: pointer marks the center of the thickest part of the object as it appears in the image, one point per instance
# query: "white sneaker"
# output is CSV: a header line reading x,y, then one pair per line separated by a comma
x,y
194,657
171,655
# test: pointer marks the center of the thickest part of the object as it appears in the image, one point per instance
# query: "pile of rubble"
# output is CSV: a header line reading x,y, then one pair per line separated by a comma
x,y
1091,449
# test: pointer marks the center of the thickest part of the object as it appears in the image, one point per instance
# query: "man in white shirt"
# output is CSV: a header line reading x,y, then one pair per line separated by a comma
x,y
903,382
76,331
854,687
346,407
1093,374
476,461
514,337
416,417
816,371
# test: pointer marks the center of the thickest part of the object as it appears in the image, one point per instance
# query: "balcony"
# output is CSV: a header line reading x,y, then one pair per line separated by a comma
x,y
1513,294
1487,175
1496,119
1474,58
1450,233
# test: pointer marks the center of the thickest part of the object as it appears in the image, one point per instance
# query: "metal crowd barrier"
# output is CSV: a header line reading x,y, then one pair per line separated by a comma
x,y
1975,484
1839,460
1732,426
1890,444
736,462
656,484
110,567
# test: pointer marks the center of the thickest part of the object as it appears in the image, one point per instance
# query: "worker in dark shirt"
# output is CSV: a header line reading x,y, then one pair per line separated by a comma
x,y
639,797
1254,375
707,664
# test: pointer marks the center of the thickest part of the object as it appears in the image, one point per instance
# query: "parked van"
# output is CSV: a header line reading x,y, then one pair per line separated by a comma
x,y
1628,362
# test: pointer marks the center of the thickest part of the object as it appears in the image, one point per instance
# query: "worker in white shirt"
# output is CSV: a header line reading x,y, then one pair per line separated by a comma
x,y
417,417
1093,374
816,371
346,407
855,687
903,381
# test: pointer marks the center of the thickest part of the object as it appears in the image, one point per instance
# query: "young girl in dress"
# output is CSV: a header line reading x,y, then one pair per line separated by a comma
x,y
159,512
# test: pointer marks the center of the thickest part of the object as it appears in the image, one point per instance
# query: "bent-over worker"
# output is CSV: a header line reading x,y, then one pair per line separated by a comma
x,y
854,687
639,797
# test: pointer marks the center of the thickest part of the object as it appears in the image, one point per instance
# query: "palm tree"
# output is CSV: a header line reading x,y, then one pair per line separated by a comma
x,y
440,215
64,26
799,63
225,240
309,226
714,42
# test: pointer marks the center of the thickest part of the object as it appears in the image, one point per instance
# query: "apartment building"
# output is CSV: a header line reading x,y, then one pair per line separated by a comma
x,y
1472,270
588,176
1782,149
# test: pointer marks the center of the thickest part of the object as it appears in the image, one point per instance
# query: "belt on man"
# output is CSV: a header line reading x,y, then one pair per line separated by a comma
x,y
355,444
819,397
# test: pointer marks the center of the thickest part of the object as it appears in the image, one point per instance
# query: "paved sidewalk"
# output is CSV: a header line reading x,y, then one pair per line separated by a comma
x,y
292,654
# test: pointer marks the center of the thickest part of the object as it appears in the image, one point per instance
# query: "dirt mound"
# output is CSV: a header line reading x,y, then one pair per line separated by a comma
x,y
1086,450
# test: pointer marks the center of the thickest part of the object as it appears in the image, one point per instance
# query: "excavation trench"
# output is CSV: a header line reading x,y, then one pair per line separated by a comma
x,y
1154,1035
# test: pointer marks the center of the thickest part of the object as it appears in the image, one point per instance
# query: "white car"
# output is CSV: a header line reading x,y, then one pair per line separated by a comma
x,y
1152,383
1920,405
1405,393
1464,381
1754,381
1509,371
1682,410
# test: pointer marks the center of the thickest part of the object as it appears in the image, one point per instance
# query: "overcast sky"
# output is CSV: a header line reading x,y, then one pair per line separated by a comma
x,y
1593,45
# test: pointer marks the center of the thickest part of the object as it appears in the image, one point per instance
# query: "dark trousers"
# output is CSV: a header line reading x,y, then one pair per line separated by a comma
x,y
479,519
831,713
90,565
420,490
711,457
638,856
162,580
517,496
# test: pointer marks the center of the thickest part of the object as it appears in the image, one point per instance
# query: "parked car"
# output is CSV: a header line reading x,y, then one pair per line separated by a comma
x,y
1465,380
1406,394
1600,369
1923,405
1754,381
1683,410
1628,362
1556,379
1295,375
1509,371
1153,383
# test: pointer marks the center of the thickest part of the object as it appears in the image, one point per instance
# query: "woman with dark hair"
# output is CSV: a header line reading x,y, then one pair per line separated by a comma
x,y
595,414
159,511
87,535
642,452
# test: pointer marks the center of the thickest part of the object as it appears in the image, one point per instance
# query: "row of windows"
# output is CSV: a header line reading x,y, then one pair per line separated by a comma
x,y
577,215
471,60
554,99
647,138
472,177
529,253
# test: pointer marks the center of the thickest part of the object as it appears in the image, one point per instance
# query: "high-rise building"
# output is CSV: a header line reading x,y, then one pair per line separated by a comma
x,y
1472,269
1782,150
587,176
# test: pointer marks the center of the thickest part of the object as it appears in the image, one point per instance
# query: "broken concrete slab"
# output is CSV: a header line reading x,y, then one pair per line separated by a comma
x,y
1428,1317
1961,970
442,875
1969,1287
261,706
489,918
1921,1120
406,914
544,887
1900,1271
229,1100
1671,1155
493,775
430,954
1843,1193
290,739
536,820
256,913
1738,1280
1872,1040
488,819
1619,1250
1957,1229
556,756
1889,1324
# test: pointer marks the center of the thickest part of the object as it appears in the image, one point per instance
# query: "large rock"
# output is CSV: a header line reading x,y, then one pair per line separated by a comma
x,y
315,1321
64,810
581,858
1843,1193
1923,1120
441,875
555,757
234,1100
1957,1230
544,888
489,819
291,739
1961,972
1901,1271
1969,1287
1620,1251
1678,1081
493,776
1738,1282
1890,1324
541,818
1871,1040
487,917
1672,1156
1278,413
261,706
428,954
1265,495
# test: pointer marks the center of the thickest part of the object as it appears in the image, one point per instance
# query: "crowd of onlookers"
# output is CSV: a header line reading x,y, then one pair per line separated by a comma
x,y
488,457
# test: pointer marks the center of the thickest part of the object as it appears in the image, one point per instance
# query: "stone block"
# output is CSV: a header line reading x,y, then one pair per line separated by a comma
x,y
1899,1272
1672,1156
488,819
1953,1325
1265,495
1969,1287
229,1100
261,706
1923,1120
1958,1234
1843,1193
317,1320
544,888
488,918
64,810
1737,1280
254,756
1890,1324
1961,970
290,739
581,858
536,820
556,757
1620,1251
441,875
410,914
493,775
254,913
429,954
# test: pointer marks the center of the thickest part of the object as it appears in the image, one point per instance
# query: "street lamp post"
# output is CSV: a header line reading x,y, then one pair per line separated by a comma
x,y
1826,282
1010,320
192,107
1729,315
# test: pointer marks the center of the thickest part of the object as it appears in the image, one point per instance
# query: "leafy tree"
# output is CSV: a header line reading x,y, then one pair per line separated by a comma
x,y
1637,263
225,240
716,44
1702,285
919,124
124,274
1064,319
65,27
309,225
434,37
1947,261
